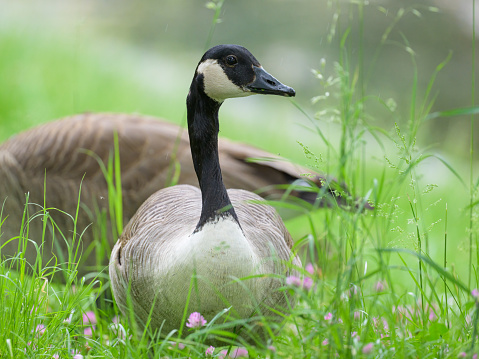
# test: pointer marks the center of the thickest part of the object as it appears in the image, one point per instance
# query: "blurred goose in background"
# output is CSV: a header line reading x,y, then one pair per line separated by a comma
x,y
51,161
210,235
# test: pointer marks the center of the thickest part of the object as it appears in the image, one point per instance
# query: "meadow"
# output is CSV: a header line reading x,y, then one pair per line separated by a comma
x,y
399,280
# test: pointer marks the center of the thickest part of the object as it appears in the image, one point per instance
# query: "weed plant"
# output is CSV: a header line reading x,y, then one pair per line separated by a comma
x,y
371,286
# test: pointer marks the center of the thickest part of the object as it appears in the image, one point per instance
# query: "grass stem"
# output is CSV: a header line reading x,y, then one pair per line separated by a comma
x,y
471,146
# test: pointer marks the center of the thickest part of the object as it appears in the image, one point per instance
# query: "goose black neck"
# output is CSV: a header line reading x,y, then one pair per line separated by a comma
x,y
203,128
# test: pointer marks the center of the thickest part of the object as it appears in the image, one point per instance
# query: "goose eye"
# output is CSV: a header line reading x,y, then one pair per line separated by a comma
x,y
231,60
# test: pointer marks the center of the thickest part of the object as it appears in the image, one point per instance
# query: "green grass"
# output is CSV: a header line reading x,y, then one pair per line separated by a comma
x,y
392,282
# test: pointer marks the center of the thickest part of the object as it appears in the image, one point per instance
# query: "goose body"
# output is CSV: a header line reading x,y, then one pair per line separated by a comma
x,y
161,258
50,162
211,236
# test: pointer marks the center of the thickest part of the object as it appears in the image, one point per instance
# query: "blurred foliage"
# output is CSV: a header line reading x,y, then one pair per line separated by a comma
x,y
381,39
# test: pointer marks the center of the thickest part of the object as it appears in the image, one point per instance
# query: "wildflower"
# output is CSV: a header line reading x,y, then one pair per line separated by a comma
x,y
325,342
475,293
328,316
293,280
236,353
379,286
33,310
239,352
39,329
399,310
385,324
87,346
432,315
195,320
309,268
180,346
307,283
352,291
462,355
271,348
209,351
89,318
88,332
368,348
474,356
357,315
32,345
468,319
76,354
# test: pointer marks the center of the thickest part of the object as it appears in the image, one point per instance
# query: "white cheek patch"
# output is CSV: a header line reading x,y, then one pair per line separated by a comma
x,y
217,85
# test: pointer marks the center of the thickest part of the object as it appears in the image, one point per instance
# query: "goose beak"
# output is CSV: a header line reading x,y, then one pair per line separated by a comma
x,y
266,84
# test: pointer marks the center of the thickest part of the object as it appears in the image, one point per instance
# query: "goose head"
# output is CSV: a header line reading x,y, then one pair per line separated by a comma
x,y
227,71
224,71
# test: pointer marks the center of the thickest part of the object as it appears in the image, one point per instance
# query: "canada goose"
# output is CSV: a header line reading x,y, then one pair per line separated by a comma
x,y
217,234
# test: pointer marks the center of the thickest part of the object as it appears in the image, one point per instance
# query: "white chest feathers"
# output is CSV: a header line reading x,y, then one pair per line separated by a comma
x,y
213,262
218,253
207,271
